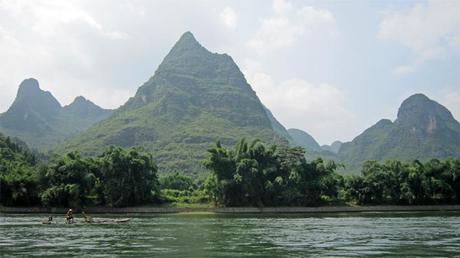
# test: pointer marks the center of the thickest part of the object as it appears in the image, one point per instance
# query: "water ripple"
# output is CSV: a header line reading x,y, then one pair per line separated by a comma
x,y
379,235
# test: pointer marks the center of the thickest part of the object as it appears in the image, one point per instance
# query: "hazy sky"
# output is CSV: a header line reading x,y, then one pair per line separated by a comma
x,y
331,68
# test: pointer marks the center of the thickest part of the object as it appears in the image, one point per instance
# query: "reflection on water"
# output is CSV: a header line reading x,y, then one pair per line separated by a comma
x,y
407,234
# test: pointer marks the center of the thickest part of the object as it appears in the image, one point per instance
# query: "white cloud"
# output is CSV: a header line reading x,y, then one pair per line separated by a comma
x,y
430,30
52,41
320,109
229,17
96,49
288,24
405,69
46,16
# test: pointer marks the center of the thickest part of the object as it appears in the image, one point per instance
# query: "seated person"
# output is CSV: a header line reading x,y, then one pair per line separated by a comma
x,y
69,216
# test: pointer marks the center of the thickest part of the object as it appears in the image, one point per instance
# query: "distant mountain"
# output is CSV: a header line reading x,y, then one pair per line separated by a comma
x,y
424,129
368,145
86,112
33,110
194,99
37,117
279,128
296,137
303,139
334,147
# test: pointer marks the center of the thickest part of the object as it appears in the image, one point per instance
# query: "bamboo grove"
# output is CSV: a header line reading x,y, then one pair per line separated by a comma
x,y
247,174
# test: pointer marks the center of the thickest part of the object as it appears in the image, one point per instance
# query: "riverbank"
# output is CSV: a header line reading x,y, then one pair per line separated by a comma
x,y
157,210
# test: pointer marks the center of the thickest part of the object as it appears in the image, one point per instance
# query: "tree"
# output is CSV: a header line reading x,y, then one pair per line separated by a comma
x,y
129,177
252,174
70,180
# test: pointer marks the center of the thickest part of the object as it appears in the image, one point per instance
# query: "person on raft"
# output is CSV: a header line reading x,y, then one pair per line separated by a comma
x,y
49,221
69,216
88,219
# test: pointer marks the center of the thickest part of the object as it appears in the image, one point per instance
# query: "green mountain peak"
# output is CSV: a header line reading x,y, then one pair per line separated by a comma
x,y
194,99
79,100
85,108
186,45
29,90
29,87
424,114
31,109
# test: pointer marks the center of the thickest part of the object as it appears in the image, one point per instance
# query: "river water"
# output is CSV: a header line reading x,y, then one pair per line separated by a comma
x,y
213,235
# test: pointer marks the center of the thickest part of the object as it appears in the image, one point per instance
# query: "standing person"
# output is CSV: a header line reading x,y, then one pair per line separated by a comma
x,y
69,216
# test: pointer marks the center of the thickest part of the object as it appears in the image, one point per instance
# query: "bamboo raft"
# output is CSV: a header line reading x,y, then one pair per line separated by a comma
x,y
102,221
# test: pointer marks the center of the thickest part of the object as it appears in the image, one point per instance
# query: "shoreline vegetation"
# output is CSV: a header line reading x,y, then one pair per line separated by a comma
x,y
248,174
237,210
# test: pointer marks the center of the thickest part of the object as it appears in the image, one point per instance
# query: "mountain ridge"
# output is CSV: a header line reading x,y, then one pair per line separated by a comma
x,y
38,118
304,140
334,147
195,98
423,129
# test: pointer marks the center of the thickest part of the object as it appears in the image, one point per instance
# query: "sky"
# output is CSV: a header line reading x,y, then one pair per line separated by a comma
x,y
331,68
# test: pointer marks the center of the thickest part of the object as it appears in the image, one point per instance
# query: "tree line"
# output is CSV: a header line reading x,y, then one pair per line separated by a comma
x,y
118,177
252,174
395,182
246,174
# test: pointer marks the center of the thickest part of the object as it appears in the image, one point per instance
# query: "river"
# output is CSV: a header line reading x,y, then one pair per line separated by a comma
x,y
215,235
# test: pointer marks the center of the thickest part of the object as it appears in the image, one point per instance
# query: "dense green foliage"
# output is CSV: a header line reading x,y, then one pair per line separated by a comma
x,y
17,173
396,182
256,175
37,117
69,181
128,177
182,188
247,174
116,178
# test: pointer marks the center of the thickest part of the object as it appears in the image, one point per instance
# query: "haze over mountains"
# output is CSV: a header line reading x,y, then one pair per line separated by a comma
x,y
334,147
195,98
37,118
